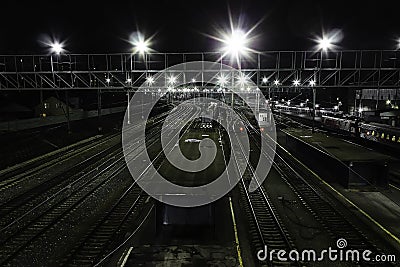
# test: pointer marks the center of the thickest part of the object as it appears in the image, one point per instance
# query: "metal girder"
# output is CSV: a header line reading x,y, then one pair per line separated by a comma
x,y
352,69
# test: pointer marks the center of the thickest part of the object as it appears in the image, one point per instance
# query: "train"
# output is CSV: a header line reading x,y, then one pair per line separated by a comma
x,y
350,126
264,122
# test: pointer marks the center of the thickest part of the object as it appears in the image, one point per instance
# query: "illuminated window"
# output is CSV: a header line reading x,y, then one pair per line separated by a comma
x,y
46,105
394,138
383,135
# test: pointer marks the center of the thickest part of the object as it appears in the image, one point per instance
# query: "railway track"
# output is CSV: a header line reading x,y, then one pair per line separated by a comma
x,y
326,210
265,226
21,202
15,175
94,246
18,207
19,234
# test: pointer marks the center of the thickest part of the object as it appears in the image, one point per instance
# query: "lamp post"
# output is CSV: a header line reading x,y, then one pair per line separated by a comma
x,y
57,48
312,84
325,43
235,45
140,46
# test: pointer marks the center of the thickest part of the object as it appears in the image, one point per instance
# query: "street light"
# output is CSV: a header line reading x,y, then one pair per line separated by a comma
x,y
296,82
276,82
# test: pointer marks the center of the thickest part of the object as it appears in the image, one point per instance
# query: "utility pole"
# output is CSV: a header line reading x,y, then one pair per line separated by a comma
x,y
67,110
99,110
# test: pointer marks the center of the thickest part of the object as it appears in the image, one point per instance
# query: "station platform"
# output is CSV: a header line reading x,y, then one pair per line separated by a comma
x,y
182,255
340,160
378,206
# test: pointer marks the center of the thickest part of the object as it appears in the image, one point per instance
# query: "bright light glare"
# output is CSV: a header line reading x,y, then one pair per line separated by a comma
x,y
312,83
324,44
235,44
57,48
264,80
150,80
129,80
108,80
193,80
296,82
142,47
329,40
242,79
140,44
276,82
222,80
172,80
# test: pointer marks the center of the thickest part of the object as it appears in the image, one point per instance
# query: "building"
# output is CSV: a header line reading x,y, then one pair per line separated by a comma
x,y
52,107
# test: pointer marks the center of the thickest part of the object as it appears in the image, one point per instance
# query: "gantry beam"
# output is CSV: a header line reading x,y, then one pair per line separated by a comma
x,y
122,72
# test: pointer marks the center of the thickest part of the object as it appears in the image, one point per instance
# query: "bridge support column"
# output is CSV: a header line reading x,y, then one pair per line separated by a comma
x,y
129,108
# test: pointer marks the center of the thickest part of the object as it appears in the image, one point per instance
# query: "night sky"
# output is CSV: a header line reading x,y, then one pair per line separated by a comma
x,y
103,26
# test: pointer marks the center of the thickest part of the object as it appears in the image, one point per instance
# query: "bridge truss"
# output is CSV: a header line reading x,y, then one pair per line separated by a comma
x,y
126,72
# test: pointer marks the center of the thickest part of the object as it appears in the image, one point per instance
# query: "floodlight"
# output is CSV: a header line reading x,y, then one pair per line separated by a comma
x,y
235,44
222,80
242,79
140,44
172,80
264,80
324,43
150,80
57,48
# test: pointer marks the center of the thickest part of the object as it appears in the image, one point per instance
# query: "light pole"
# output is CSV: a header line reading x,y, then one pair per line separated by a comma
x,y
57,48
325,43
140,46
235,45
312,84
